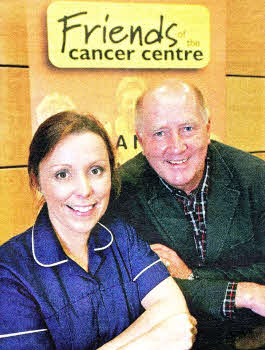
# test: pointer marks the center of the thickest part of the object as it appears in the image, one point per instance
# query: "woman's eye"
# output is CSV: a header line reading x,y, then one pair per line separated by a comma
x,y
96,170
188,128
62,175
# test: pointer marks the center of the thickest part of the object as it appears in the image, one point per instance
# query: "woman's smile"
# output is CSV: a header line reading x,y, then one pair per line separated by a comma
x,y
76,185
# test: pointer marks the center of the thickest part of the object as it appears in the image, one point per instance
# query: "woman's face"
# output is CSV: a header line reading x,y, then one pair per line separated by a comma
x,y
75,180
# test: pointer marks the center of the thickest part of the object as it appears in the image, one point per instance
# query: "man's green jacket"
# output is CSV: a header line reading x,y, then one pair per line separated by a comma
x,y
235,223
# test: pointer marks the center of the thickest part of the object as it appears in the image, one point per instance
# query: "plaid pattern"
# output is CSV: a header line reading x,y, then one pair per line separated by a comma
x,y
229,300
195,206
195,209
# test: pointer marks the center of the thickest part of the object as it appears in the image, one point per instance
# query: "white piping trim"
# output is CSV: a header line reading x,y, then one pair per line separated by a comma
x,y
35,258
111,240
21,333
146,268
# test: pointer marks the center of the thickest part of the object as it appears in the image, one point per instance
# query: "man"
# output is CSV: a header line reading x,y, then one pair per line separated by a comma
x,y
199,203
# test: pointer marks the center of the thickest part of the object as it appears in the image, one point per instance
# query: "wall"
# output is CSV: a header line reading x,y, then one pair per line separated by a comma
x,y
245,77
16,211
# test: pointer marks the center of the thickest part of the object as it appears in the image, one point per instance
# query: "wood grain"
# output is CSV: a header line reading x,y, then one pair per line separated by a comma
x,y
13,33
245,108
17,209
16,129
245,37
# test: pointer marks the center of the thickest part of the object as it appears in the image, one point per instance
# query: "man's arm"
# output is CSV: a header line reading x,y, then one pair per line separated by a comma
x,y
252,296
248,295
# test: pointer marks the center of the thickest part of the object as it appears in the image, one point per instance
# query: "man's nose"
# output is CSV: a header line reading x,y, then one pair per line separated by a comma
x,y
177,143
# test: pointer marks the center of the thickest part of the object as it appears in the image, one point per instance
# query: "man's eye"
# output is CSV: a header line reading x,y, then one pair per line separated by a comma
x,y
97,170
159,133
188,128
62,175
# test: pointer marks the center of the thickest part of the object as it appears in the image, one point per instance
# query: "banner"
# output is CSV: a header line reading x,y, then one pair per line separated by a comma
x,y
120,35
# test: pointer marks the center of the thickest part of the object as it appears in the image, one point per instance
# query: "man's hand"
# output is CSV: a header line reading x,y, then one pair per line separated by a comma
x,y
251,296
175,265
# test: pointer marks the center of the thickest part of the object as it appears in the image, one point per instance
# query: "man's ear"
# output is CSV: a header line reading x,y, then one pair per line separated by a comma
x,y
140,139
139,136
208,126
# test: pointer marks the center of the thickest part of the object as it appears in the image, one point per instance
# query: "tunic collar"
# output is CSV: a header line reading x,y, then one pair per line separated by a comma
x,y
46,248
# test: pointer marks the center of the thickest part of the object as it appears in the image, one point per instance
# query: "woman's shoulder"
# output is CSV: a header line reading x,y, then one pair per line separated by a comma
x,y
114,221
16,248
120,227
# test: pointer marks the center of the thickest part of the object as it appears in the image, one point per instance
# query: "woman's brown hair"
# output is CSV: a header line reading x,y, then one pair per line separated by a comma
x,y
57,127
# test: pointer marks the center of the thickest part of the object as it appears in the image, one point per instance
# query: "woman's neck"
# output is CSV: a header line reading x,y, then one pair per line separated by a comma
x,y
76,248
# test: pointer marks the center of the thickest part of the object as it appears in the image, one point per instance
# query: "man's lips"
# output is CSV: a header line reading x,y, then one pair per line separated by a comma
x,y
177,162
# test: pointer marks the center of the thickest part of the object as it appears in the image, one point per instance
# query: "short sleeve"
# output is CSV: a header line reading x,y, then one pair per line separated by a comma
x,y
21,326
147,268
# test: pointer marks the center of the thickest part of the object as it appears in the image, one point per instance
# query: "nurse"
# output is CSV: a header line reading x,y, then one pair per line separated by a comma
x,y
80,278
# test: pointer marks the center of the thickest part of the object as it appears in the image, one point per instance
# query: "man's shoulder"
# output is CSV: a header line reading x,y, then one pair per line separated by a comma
x,y
234,158
133,171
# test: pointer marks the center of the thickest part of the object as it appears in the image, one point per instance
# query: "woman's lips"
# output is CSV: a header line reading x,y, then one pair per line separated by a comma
x,y
82,210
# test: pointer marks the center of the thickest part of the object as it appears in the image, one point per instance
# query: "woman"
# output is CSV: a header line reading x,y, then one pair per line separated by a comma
x,y
80,278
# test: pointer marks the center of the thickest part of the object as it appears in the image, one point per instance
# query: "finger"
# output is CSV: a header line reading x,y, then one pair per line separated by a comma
x,y
163,255
165,262
162,248
193,320
157,246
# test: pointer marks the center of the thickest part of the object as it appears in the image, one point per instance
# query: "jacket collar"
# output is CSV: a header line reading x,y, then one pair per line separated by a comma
x,y
223,199
219,165
151,179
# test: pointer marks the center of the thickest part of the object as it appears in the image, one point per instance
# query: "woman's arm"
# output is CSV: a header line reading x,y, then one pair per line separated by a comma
x,y
166,323
21,325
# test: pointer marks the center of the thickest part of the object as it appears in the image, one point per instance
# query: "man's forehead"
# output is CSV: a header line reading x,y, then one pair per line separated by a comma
x,y
154,121
162,98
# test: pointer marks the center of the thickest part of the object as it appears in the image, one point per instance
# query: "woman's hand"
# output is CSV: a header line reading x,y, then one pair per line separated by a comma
x,y
177,332
166,323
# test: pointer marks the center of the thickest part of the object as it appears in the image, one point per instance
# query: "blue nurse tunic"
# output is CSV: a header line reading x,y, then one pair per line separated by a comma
x,y
47,301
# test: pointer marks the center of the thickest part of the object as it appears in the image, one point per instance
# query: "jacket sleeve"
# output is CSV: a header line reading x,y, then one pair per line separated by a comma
x,y
206,294
22,325
204,297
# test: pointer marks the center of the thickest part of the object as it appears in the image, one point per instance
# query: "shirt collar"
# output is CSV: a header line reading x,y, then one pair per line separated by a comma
x,y
202,187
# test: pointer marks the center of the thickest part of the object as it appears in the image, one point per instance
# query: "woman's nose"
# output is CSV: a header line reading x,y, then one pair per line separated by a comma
x,y
83,186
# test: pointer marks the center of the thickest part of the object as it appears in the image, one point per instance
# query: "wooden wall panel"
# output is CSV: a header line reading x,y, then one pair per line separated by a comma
x,y
245,37
246,106
17,210
13,33
15,130
260,155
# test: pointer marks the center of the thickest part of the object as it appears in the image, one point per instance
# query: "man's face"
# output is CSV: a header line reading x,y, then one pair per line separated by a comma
x,y
175,138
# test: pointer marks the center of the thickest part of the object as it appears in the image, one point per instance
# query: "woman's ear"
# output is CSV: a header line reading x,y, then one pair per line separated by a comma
x,y
35,183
